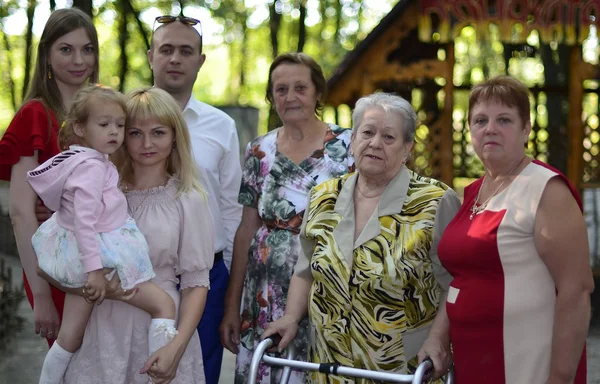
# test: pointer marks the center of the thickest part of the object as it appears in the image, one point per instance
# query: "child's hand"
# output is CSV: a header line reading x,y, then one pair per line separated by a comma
x,y
96,286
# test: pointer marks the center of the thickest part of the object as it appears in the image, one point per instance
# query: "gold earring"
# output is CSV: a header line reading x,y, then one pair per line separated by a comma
x,y
49,72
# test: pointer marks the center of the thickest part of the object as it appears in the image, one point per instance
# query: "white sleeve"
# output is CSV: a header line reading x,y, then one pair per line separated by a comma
x,y
230,177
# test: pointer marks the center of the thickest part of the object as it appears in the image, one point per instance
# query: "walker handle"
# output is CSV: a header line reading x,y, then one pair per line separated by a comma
x,y
423,372
259,352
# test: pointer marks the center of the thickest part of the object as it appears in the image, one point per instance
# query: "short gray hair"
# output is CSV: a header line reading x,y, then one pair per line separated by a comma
x,y
389,103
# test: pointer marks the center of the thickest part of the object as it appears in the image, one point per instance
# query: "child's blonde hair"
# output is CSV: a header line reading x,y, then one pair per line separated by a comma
x,y
147,104
80,111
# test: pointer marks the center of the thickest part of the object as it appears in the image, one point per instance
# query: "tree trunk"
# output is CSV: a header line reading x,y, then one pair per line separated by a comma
x,y
338,21
596,226
274,24
234,85
123,37
52,5
556,74
244,53
302,26
322,12
85,5
31,4
8,74
129,7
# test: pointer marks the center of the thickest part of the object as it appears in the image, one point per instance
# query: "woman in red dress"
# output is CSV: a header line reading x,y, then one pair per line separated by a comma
x,y
518,308
67,58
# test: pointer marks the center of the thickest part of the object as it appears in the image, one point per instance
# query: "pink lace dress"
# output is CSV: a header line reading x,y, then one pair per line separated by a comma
x,y
179,231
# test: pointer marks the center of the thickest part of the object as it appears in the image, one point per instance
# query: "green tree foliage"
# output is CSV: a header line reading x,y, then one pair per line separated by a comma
x,y
252,33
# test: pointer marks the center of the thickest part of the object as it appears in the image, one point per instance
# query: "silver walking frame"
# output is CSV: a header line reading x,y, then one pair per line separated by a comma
x,y
422,373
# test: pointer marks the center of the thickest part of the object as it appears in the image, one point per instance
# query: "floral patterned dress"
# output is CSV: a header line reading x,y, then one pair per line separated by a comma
x,y
278,188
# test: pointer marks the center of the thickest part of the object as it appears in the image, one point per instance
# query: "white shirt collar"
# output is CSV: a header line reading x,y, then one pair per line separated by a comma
x,y
193,105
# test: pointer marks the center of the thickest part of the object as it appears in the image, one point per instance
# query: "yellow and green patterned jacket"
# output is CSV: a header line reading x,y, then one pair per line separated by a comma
x,y
373,299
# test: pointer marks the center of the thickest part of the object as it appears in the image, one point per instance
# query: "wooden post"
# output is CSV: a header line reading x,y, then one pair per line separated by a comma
x,y
446,130
575,124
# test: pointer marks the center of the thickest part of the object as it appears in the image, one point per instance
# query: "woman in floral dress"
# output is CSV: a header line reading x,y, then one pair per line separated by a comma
x,y
280,169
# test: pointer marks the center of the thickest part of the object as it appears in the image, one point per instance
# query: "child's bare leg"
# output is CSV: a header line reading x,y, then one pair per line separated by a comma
x,y
76,315
154,300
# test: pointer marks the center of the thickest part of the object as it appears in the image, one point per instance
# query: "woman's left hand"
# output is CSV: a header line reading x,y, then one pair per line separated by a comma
x,y
439,353
162,365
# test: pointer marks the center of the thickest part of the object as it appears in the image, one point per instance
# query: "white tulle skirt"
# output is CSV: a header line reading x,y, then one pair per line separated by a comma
x,y
124,249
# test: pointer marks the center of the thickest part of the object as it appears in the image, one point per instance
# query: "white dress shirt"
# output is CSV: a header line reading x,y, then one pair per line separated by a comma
x,y
215,147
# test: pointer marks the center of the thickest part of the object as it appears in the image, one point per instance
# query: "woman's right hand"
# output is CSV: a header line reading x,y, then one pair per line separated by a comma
x,y
47,321
438,350
286,326
114,290
229,330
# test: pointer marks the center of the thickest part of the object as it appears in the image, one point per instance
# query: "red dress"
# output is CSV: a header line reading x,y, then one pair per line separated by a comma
x,y
502,299
33,128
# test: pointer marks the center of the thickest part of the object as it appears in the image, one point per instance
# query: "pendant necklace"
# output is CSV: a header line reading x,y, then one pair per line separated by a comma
x,y
476,208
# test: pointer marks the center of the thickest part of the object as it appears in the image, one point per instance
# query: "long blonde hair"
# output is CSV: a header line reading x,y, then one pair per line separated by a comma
x,y
80,111
155,104
43,87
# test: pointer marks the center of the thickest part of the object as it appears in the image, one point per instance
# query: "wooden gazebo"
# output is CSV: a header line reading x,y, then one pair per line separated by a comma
x,y
412,52
418,52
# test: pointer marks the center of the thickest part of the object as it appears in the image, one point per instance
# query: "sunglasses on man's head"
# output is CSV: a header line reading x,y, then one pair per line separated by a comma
x,y
189,21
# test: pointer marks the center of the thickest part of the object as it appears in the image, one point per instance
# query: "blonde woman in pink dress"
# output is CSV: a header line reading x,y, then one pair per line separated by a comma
x,y
91,229
171,210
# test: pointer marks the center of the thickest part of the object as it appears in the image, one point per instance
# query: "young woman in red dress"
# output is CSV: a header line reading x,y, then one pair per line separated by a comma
x,y
67,58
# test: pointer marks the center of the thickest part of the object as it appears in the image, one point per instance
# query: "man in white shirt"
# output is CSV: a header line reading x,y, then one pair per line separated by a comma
x,y
175,58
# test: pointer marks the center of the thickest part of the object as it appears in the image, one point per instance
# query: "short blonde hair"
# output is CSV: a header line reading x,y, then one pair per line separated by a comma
x,y
156,104
80,111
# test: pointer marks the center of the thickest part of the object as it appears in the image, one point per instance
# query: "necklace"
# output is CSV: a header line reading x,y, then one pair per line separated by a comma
x,y
476,208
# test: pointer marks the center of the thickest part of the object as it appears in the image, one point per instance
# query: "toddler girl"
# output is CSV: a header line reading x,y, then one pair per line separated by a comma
x,y
91,229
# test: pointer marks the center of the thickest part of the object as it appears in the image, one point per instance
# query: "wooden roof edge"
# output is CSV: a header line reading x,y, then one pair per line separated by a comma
x,y
361,47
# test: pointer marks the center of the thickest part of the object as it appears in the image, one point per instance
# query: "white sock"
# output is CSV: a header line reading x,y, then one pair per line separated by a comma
x,y
55,365
161,332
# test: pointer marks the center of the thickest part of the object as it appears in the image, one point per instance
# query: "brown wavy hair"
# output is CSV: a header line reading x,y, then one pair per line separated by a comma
x,y
43,89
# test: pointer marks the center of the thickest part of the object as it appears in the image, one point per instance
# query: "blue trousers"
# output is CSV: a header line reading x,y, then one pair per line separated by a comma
x,y
208,329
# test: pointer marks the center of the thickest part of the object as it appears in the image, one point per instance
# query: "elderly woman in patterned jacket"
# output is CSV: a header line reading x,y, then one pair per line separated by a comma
x,y
369,276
